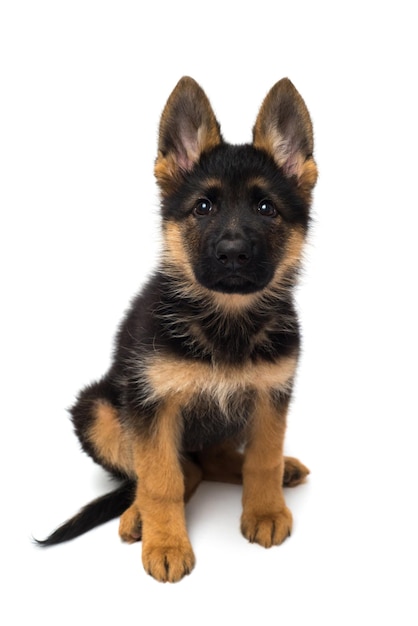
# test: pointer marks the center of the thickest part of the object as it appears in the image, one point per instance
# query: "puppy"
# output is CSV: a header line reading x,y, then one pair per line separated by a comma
x,y
205,358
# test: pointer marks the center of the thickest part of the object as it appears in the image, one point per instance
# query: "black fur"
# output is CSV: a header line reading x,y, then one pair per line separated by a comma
x,y
235,165
98,512
235,210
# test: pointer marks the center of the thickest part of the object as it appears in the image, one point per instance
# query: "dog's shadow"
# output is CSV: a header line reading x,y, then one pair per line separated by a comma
x,y
213,510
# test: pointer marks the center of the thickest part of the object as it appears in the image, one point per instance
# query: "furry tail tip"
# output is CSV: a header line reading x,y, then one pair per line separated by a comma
x,y
94,514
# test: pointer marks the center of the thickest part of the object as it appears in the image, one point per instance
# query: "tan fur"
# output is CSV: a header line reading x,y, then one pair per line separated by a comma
x,y
292,256
265,518
295,472
308,178
170,165
177,263
208,138
166,550
287,148
130,524
110,440
148,448
223,463
165,171
165,481
170,377
193,476
275,113
234,303
175,255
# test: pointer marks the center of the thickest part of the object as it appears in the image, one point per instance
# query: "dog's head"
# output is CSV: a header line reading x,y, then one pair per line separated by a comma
x,y
235,217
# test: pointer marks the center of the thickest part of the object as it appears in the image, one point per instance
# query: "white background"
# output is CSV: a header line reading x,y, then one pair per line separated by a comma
x,y
82,86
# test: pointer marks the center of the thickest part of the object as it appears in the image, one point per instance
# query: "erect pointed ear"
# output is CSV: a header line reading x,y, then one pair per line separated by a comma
x,y
283,129
188,127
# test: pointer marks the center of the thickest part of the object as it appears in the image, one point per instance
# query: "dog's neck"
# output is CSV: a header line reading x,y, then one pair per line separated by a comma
x,y
229,327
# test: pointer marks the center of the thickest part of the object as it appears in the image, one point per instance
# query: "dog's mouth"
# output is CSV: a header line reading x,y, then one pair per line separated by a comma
x,y
234,280
236,283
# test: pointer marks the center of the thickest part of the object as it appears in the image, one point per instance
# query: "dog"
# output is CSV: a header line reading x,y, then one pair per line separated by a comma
x,y
205,358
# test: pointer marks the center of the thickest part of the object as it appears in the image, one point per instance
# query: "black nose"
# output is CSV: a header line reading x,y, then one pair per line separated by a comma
x,y
233,253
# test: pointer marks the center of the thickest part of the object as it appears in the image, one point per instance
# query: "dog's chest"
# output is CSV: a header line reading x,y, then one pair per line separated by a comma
x,y
216,400
208,420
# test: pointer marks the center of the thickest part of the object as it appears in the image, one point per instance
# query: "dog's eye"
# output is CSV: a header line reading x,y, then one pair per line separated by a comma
x,y
202,207
266,209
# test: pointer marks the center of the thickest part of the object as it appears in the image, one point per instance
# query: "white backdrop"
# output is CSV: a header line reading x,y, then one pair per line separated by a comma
x,y
82,86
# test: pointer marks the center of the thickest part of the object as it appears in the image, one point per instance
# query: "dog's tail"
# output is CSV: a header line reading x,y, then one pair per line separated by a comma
x,y
98,512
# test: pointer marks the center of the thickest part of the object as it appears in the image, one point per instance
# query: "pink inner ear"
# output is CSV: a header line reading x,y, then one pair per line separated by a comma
x,y
286,153
188,150
183,162
291,166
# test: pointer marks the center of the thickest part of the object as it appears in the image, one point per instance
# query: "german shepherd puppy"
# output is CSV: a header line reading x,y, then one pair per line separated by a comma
x,y
205,358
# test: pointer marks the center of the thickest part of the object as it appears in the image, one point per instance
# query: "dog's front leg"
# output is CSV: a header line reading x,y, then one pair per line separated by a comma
x,y
167,554
265,517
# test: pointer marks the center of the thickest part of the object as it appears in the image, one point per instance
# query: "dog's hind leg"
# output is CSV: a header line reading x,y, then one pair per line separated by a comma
x,y
295,472
130,526
97,422
193,476
223,463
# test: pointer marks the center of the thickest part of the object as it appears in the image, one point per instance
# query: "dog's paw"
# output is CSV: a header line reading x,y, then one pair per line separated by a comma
x,y
168,563
295,472
268,529
130,526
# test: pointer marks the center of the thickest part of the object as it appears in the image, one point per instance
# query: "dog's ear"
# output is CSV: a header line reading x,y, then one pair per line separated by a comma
x,y
188,127
283,129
